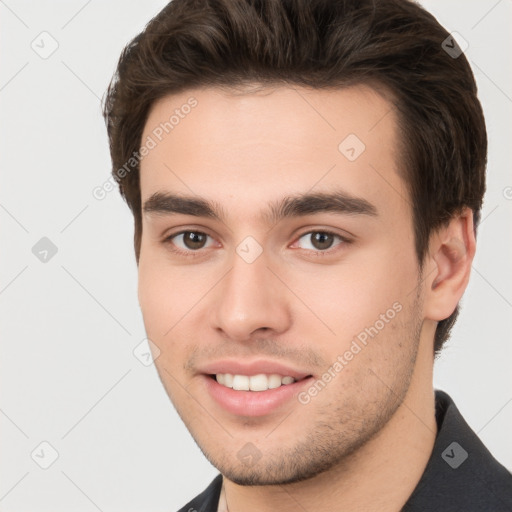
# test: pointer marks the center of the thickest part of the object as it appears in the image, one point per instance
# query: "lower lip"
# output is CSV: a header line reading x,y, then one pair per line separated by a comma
x,y
253,403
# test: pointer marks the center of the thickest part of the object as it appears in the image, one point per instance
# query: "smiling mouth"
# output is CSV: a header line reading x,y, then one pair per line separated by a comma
x,y
259,382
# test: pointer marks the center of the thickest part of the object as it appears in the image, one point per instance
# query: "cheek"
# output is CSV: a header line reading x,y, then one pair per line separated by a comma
x,y
158,291
159,299
350,297
169,297
153,299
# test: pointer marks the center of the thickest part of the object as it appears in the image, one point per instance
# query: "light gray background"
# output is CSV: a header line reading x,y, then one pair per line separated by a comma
x,y
69,326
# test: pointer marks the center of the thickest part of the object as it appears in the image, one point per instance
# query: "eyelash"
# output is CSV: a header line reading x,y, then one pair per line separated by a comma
x,y
197,253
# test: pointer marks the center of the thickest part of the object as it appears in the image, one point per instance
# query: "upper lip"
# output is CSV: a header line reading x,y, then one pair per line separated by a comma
x,y
237,367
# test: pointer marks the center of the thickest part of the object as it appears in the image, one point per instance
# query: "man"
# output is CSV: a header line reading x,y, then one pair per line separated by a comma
x,y
306,179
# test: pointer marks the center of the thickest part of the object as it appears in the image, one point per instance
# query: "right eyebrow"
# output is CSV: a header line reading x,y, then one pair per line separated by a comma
x,y
165,203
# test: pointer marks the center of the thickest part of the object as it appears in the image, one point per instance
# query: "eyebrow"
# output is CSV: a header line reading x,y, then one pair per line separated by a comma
x,y
290,206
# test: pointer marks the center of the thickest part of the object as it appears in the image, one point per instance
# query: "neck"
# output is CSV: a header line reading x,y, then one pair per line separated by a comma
x,y
379,476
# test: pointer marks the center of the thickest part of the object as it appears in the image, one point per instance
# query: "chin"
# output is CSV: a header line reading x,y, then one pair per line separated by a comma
x,y
285,468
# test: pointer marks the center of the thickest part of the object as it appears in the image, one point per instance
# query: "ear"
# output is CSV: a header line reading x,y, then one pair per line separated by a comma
x,y
451,252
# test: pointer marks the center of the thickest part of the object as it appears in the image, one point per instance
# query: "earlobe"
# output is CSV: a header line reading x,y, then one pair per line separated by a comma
x,y
452,250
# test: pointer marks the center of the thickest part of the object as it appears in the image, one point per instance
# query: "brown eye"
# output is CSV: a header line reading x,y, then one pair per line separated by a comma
x,y
194,240
319,240
190,240
322,240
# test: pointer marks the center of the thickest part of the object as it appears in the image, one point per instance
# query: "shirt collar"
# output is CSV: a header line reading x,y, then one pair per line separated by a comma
x,y
461,474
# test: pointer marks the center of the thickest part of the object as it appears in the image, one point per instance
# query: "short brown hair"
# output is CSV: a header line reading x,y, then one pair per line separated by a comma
x,y
320,44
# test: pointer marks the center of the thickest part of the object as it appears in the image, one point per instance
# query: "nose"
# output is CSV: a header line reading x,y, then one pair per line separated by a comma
x,y
250,300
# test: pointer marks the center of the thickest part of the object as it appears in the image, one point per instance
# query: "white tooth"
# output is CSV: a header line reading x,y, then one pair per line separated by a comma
x,y
241,382
287,380
220,378
228,380
274,381
258,382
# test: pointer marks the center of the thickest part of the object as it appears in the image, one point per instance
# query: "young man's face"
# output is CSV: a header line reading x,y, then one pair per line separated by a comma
x,y
325,291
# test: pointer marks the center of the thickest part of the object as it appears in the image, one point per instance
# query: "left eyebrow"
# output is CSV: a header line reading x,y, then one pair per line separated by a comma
x,y
321,202
339,202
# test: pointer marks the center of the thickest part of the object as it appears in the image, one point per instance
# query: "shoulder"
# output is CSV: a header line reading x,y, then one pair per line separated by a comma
x,y
208,500
461,473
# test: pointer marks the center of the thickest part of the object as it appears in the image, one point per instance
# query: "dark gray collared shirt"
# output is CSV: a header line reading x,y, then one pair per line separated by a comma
x,y
461,474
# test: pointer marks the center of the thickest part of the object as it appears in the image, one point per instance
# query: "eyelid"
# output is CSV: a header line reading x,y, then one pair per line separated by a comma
x,y
169,238
190,231
342,233
170,233
343,240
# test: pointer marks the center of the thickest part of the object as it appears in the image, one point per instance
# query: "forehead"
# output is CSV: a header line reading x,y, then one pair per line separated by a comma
x,y
268,141
281,114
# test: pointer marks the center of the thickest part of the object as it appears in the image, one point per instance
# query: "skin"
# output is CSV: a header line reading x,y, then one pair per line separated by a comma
x,y
363,442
